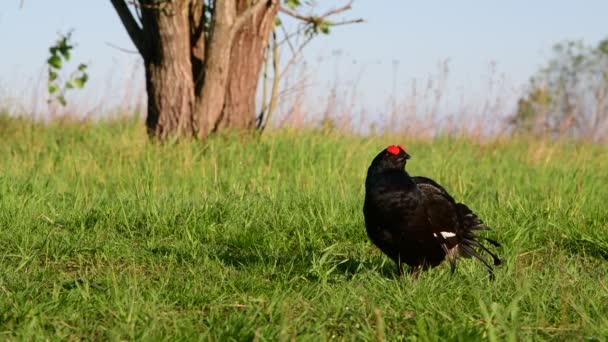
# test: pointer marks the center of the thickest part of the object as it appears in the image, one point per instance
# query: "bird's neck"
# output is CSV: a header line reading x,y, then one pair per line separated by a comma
x,y
389,176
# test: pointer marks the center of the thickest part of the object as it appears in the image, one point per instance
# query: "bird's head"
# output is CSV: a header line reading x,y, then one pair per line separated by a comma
x,y
394,157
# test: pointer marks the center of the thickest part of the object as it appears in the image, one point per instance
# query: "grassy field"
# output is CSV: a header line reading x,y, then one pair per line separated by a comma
x,y
104,235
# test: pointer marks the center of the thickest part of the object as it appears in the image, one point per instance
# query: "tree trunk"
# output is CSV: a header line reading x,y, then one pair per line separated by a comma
x,y
199,80
210,100
233,65
168,68
246,59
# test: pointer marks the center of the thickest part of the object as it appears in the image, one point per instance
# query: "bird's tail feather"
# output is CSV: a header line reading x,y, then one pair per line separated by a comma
x,y
469,240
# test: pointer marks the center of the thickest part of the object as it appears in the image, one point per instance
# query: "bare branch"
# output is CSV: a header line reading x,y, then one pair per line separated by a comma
x,y
346,7
295,55
347,22
260,118
296,15
130,24
315,19
275,82
307,21
121,48
287,36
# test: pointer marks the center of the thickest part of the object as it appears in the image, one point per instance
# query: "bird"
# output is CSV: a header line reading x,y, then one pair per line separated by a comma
x,y
415,221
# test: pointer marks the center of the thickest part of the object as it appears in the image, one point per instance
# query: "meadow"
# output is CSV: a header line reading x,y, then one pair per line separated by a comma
x,y
106,235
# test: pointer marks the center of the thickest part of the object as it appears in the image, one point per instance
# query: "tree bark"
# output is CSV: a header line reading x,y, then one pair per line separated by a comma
x,y
246,59
210,100
199,81
198,42
168,67
240,31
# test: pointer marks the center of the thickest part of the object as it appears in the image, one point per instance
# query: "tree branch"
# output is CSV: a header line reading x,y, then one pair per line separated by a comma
x,y
347,22
339,9
296,15
133,29
295,55
275,84
315,19
120,48
275,80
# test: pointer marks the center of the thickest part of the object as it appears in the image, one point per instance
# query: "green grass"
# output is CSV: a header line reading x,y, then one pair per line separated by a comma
x,y
104,235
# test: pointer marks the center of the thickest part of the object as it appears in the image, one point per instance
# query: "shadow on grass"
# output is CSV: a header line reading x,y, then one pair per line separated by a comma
x,y
350,267
592,246
309,264
305,263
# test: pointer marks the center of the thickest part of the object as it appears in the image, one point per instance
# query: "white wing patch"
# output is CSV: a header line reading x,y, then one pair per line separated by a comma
x,y
447,234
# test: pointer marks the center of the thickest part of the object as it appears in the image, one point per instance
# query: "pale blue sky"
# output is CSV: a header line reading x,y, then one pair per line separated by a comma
x,y
517,35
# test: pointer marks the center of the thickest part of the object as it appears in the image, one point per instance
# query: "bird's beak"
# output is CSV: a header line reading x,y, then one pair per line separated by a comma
x,y
406,155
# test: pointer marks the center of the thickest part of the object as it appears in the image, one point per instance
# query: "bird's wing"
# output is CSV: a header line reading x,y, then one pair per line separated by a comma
x,y
462,219
420,180
466,216
441,215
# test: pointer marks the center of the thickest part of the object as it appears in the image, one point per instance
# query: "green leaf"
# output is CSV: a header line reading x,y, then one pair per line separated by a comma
x,y
62,100
68,85
292,3
54,61
324,28
64,47
80,81
52,75
277,21
82,67
53,89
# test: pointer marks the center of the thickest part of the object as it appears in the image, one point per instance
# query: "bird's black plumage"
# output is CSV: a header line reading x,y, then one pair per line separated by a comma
x,y
416,221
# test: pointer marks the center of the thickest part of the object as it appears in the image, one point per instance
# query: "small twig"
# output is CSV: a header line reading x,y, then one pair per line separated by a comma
x,y
312,18
339,9
295,15
295,89
347,22
315,21
379,325
295,55
275,81
260,118
287,36
121,49
530,252
131,25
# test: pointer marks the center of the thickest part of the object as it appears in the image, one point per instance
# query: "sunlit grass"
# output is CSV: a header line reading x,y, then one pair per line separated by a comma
x,y
105,235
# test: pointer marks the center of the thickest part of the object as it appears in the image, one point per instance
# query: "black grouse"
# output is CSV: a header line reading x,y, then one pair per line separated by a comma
x,y
415,221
